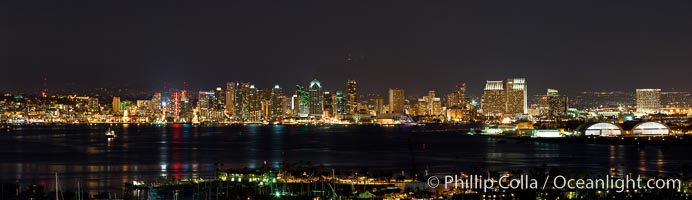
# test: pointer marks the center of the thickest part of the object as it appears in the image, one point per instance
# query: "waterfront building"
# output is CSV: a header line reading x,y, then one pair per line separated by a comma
x,y
553,105
316,102
396,100
116,105
648,101
457,97
650,128
276,100
247,103
516,92
602,129
328,104
219,99
303,101
231,88
351,96
493,99
378,105
429,105
205,102
340,103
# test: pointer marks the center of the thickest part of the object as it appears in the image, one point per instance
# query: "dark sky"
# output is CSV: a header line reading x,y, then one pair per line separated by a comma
x,y
415,45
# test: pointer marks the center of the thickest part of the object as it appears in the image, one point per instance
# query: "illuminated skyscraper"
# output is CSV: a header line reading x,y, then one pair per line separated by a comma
x,y
396,100
247,103
203,100
277,100
116,104
457,97
351,96
231,88
219,103
315,92
648,101
516,96
552,105
328,104
340,102
156,103
429,105
205,105
265,96
378,105
494,98
303,101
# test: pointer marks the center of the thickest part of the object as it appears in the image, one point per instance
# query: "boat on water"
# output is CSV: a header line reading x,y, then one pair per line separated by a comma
x,y
110,133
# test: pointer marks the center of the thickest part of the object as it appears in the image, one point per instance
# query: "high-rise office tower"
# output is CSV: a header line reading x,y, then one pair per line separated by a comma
x,y
205,105
265,103
648,101
277,100
116,104
315,92
156,103
340,102
553,105
204,100
303,101
378,105
516,96
433,104
219,100
457,97
351,96
328,104
493,99
231,88
247,102
396,100
429,105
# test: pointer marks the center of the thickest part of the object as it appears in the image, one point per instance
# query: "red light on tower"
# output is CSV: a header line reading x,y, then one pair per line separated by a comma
x,y
175,104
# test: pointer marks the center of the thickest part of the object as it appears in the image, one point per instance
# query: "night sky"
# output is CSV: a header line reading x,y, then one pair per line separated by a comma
x,y
416,45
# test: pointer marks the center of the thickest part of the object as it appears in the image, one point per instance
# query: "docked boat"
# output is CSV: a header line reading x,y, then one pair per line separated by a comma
x,y
110,133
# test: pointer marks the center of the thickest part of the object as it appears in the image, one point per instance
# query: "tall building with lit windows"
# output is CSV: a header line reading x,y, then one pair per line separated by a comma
x,y
301,101
328,104
553,105
493,101
351,96
205,105
378,105
516,96
219,99
429,105
116,104
648,101
316,95
231,88
247,103
277,100
457,97
340,103
396,100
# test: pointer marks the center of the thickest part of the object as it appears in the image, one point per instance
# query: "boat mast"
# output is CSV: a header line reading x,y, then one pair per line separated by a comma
x,y
79,193
56,185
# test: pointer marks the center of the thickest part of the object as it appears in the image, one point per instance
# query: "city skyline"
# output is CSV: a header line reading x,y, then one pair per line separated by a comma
x,y
408,45
345,100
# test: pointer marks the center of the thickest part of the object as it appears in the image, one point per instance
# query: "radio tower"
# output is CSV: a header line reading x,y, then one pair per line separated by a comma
x,y
44,93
